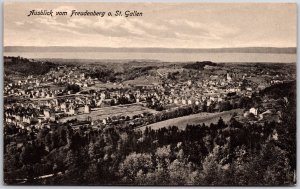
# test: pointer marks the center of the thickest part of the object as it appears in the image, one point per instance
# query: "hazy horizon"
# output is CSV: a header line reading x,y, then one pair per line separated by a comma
x,y
162,57
280,50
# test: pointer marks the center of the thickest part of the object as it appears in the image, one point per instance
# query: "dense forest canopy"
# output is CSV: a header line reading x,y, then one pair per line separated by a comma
x,y
26,66
199,65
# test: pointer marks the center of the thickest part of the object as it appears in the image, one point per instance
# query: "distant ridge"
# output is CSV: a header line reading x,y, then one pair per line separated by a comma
x,y
273,50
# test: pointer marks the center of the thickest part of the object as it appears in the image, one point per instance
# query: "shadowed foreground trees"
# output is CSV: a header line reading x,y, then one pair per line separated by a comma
x,y
221,154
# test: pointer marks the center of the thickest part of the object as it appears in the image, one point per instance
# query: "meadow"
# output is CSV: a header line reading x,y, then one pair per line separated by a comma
x,y
194,119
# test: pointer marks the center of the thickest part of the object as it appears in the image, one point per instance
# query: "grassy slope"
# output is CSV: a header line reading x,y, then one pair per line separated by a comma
x,y
199,118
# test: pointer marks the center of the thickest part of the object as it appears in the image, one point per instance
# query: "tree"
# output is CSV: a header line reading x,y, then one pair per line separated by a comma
x,y
181,173
63,137
133,165
74,88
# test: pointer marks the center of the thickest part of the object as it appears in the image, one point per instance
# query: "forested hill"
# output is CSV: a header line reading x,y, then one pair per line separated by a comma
x,y
26,66
286,89
199,65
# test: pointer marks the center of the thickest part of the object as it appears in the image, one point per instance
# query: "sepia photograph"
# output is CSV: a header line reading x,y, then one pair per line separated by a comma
x,y
149,94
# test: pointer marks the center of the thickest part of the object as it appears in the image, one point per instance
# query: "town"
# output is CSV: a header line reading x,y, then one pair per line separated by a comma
x,y
68,93
44,96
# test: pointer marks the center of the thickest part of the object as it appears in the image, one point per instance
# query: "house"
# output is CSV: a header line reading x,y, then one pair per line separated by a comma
x,y
27,119
48,113
102,96
254,111
220,99
228,77
99,103
208,103
176,101
43,94
63,106
72,110
86,109
212,98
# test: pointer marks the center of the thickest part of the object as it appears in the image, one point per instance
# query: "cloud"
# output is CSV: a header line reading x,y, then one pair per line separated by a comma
x,y
200,30
19,23
106,26
163,25
133,28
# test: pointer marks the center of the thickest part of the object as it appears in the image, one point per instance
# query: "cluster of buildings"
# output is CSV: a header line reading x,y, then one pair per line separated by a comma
x,y
269,109
43,99
208,91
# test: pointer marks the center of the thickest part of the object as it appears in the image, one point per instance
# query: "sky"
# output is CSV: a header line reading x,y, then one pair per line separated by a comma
x,y
176,25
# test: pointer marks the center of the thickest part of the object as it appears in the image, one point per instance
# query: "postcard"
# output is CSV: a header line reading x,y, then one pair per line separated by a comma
x,y
149,94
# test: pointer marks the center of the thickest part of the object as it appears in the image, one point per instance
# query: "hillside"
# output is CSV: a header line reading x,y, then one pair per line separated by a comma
x,y
26,66
287,89
199,65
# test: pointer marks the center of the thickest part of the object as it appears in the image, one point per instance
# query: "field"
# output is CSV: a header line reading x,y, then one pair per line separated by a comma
x,y
100,85
200,118
101,113
143,80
